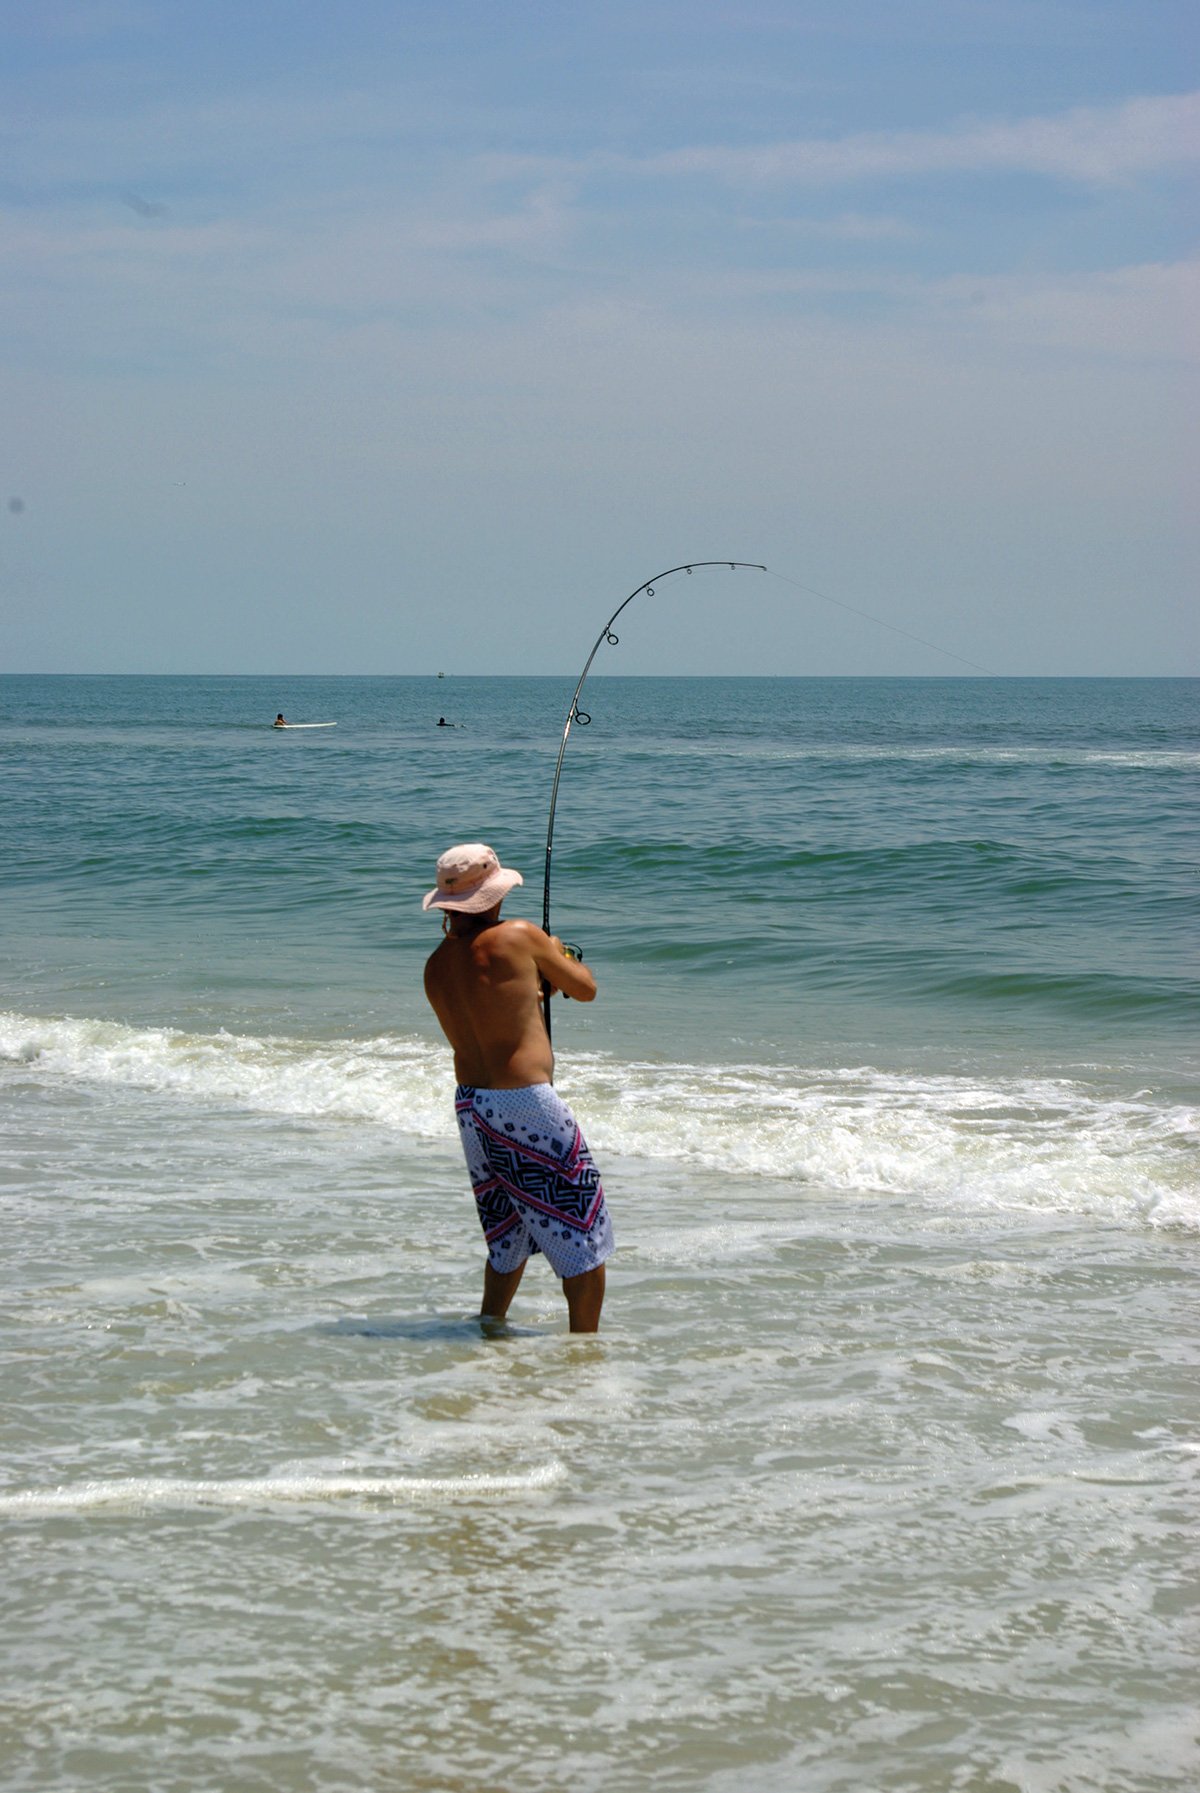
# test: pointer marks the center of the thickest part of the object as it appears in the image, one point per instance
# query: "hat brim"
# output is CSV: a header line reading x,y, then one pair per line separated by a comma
x,y
480,897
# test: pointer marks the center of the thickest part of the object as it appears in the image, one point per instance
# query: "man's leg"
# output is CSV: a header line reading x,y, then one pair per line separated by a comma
x,y
499,1287
585,1297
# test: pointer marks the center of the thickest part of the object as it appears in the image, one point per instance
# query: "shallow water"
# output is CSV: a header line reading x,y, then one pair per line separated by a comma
x,y
882,1472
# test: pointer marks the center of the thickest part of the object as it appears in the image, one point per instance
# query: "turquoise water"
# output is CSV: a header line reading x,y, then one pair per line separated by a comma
x,y
974,863
881,1472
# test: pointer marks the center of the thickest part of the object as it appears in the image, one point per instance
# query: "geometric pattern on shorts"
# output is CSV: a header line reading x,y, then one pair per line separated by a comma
x,y
536,1185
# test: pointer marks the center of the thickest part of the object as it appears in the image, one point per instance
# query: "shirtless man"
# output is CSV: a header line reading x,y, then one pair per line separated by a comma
x,y
536,1187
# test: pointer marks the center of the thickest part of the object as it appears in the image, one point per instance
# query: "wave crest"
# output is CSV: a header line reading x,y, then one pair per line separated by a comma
x,y
1048,1143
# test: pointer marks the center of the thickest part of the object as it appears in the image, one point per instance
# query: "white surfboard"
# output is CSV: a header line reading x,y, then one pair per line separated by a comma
x,y
304,725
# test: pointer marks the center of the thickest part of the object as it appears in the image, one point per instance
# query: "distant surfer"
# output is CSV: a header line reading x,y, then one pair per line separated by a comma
x,y
536,1186
442,723
279,722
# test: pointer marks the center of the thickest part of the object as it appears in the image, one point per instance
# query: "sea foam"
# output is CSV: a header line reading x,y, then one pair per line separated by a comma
x,y
173,1492
959,1142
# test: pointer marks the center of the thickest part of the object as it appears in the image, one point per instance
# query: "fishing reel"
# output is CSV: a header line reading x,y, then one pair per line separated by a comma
x,y
572,952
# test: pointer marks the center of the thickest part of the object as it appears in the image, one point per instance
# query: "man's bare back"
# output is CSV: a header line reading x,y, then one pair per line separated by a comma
x,y
484,985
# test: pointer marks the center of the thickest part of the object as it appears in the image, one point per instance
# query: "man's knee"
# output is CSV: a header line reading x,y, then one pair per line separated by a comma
x,y
585,1296
585,1279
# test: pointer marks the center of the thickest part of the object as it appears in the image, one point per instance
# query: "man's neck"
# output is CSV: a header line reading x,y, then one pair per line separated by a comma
x,y
465,927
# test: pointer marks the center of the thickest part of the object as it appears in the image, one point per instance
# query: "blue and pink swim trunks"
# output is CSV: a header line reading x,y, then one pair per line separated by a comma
x,y
536,1187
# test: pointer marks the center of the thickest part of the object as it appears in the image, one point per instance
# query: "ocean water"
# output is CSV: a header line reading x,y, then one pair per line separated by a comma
x,y
881,1476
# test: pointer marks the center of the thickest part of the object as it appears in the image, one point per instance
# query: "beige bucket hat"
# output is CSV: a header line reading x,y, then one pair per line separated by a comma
x,y
470,878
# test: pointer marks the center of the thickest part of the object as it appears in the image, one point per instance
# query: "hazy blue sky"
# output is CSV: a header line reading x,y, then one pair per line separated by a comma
x,y
411,336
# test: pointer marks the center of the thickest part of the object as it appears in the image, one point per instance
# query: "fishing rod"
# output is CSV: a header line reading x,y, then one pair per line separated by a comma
x,y
575,714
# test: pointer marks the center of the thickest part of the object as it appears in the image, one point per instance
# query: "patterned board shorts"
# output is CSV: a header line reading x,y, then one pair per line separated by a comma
x,y
536,1188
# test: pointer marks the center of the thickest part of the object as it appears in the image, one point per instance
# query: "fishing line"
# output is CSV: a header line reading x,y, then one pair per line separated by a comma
x,y
607,636
894,627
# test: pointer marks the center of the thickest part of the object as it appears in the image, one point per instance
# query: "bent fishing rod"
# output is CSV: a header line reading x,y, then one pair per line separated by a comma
x,y
575,714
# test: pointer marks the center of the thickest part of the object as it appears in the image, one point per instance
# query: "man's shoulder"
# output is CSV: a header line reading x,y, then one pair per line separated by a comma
x,y
514,934
519,925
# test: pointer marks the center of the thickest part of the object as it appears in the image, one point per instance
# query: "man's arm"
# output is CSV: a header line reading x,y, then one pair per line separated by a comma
x,y
560,971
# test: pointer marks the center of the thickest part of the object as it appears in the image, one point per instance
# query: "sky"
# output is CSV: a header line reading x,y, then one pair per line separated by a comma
x,y
412,335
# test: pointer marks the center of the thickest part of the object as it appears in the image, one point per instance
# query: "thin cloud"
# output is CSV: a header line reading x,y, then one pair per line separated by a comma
x,y
1143,313
1147,312
1104,145
145,208
84,24
848,227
